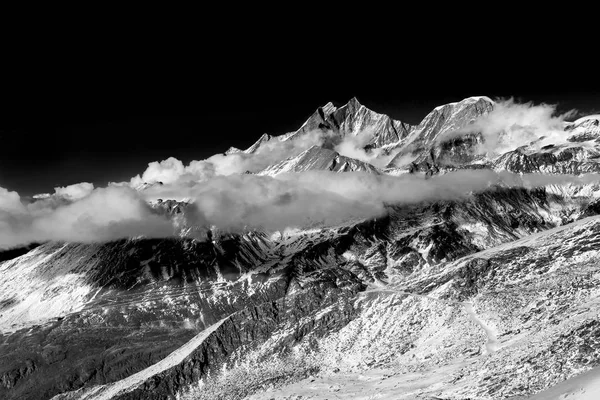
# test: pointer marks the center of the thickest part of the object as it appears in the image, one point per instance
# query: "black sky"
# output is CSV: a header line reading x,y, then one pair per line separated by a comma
x,y
99,106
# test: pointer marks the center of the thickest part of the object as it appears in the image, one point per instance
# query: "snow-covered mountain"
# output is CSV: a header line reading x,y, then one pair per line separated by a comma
x,y
489,296
350,119
318,158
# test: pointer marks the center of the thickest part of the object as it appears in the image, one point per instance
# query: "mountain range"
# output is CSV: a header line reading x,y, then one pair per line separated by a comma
x,y
492,294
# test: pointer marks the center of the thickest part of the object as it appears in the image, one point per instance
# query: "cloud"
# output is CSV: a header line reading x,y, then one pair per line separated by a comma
x,y
245,201
249,201
61,196
324,198
531,181
353,146
511,125
165,171
103,214
10,202
74,192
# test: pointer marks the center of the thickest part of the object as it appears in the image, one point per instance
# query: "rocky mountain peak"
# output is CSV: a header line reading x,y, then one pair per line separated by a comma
x,y
263,139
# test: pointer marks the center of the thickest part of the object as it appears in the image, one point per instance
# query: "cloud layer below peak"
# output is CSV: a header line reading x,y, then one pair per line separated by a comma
x,y
242,202
221,194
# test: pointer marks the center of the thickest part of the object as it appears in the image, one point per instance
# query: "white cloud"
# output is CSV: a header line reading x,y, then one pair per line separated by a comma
x,y
244,201
353,146
10,201
104,214
74,192
316,198
165,171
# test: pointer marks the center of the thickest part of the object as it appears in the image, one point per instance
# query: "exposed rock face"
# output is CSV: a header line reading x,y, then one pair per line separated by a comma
x,y
570,159
498,290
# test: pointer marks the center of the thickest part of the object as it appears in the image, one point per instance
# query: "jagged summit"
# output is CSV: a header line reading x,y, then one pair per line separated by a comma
x,y
328,108
350,119
419,148
397,147
353,118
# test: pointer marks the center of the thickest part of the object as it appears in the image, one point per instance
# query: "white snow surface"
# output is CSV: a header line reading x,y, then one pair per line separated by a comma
x,y
36,292
456,346
587,117
468,100
585,386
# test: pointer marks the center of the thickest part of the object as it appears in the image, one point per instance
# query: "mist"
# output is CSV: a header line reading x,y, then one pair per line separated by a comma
x,y
104,214
323,198
511,125
353,146
243,202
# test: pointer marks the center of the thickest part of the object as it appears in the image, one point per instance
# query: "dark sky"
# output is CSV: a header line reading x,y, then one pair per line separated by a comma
x,y
98,107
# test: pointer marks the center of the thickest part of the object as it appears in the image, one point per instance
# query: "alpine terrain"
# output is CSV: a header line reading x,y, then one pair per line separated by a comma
x,y
478,279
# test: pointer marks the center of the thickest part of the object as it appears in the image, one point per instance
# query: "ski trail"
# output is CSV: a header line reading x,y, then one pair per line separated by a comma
x,y
491,344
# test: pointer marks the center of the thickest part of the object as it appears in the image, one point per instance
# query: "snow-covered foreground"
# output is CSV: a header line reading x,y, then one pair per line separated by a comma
x,y
502,323
383,384
585,386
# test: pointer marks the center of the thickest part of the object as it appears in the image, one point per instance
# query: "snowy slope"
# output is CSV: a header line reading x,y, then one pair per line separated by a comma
x,y
320,159
503,323
585,386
